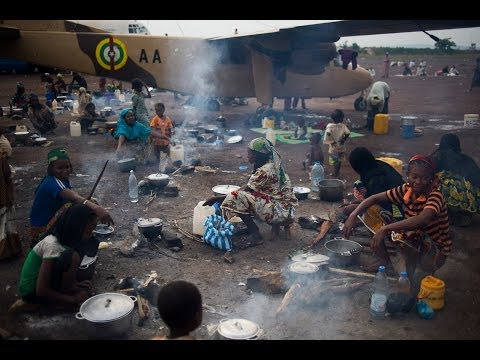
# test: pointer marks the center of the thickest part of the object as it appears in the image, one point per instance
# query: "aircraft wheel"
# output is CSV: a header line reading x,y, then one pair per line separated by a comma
x,y
213,105
360,104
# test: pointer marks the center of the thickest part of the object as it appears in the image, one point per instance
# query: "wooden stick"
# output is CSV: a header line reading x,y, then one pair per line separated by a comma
x,y
326,225
96,182
287,298
356,273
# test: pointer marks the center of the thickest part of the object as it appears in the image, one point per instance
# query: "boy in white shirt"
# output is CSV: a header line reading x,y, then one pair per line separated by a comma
x,y
336,134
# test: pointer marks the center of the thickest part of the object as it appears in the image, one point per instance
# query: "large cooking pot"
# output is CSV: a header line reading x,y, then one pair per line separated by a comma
x,y
159,180
87,268
107,315
150,228
343,252
128,164
238,329
331,189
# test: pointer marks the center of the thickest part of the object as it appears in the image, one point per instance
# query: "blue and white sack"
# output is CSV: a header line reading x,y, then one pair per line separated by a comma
x,y
218,232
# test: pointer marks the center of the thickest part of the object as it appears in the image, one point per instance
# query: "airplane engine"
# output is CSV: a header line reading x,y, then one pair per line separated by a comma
x,y
311,60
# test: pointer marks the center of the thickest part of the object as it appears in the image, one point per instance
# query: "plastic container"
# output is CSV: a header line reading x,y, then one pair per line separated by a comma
x,y
75,129
133,187
75,106
177,153
408,126
380,124
470,121
397,164
432,291
200,213
378,303
270,136
403,284
268,123
318,174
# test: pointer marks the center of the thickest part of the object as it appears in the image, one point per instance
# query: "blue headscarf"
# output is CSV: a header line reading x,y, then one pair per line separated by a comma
x,y
134,132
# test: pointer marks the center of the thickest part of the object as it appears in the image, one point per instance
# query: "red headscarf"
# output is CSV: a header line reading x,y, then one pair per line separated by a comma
x,y
425,159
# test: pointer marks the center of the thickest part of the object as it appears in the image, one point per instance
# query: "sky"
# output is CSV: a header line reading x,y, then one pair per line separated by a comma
x,y
213,28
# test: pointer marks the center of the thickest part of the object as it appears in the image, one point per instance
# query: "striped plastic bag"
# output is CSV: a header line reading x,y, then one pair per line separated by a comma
x,y
218,232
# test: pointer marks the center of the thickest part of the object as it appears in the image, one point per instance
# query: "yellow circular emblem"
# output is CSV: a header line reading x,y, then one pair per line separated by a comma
x,y
111,54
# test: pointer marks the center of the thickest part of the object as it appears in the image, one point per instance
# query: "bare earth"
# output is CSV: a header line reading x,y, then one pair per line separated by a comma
x,y
439,103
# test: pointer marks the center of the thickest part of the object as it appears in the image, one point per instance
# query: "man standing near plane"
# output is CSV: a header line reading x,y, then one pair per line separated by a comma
x,y
386,66
377,101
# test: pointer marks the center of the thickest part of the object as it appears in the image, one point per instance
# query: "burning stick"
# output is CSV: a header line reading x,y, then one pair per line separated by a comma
x,y
326,225
287,298
143,310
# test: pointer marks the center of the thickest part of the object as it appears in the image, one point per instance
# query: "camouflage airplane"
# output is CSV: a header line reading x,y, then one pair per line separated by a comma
x,y
290,62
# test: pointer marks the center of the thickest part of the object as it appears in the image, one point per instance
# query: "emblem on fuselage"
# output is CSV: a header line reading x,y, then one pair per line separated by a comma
x,y
111,53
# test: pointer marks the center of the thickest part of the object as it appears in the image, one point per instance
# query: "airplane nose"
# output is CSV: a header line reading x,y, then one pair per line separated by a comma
x,y
360,78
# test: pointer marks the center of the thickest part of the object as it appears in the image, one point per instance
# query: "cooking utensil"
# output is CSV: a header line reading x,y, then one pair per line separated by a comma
x,y
103,229
107,315
301,193
331,190
301,267
224,189
96,182
159,179
235,139
40,140
343,252
150,228
128,164
238,329
87,268
311,258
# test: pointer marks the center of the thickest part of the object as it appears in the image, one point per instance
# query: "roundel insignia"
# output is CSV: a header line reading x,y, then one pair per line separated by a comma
x,y
111,54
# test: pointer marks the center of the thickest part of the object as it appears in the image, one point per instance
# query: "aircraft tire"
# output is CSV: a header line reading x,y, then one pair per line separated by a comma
x,y
360,104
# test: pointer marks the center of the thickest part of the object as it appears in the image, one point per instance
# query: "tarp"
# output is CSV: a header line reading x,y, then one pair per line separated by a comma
x,y
285,135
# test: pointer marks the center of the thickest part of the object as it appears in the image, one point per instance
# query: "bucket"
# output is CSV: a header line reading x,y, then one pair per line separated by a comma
x,y
380,124
397,164
432,291
408,126
75,129
268,123
200,213
176,153
470,121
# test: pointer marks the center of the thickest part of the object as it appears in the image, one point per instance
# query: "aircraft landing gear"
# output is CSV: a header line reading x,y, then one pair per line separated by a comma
x,y
360,104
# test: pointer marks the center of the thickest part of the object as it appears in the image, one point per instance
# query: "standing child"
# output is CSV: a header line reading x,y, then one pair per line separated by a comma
x,y
164,125
180,306
335,136
315,154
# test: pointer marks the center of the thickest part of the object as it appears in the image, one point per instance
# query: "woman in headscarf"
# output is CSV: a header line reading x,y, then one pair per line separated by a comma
x,y
41,116
49,273
19,99
54,195
138,101
423,237
268,194
135,134
459,180
83,99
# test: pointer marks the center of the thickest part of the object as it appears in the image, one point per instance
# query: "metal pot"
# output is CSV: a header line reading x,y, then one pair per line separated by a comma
x,y
238,329
150,228
331,190
159,180
107,315
343,252
126,165
301,193
87,268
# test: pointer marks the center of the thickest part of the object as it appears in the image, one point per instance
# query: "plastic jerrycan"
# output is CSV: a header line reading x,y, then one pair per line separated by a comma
x,y
200,213
380,124
176,153
75,129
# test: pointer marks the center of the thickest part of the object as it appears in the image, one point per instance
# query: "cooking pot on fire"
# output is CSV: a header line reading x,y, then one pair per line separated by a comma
x,y
159,180
331,190
87,268
107,315
150,228
343,252
238,329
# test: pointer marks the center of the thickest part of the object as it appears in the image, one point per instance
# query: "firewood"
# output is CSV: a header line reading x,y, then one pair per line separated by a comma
x,y
326,225
287,298
355,273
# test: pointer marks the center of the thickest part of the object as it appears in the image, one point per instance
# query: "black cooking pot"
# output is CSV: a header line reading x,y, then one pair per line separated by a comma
x,y
331,190
150,228
343,252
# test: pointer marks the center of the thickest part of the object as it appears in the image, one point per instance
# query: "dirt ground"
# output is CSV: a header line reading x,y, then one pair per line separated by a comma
x,y
438,102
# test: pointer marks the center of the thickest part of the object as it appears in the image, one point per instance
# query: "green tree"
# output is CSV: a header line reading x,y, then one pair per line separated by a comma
x,y
356,47
445,45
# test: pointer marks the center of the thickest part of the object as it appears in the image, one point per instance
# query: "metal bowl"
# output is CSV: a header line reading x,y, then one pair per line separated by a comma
x,y
224,189
301,193
343,252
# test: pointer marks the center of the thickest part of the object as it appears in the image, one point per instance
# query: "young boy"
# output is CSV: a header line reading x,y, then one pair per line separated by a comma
x,y
315,153
335,136
180,306
164,125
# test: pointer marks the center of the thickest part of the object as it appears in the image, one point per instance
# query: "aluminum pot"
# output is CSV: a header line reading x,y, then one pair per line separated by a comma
x,y
87,268
238,329
107,315
159,180
126,165
343,252
331,190
150,228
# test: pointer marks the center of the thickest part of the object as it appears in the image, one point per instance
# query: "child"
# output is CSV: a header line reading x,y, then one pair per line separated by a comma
x,y
315,153
164,125
180,306
301,130
49,272
335,136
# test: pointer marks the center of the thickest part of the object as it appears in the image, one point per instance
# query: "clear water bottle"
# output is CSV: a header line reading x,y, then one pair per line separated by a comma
x,y
378,303
403,284
133,187
318,174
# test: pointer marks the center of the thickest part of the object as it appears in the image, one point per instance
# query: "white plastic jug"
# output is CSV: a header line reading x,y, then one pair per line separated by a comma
x,y
75,129
270,135
176,153
200,213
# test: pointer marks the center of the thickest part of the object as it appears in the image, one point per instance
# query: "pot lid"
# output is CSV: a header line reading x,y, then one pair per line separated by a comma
x,y
21,133
301,267
103,229
301,190
157,177
311,258
87,260
106,307
40,139
238,329
148,222
125,160
235,139
225,189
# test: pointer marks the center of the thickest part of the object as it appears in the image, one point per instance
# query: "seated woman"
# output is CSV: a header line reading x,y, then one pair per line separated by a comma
x,y
459,180
19,99
424,232
49,273
136,135
60,85
88,116
376,176
41,117
268,194
83,99
54,195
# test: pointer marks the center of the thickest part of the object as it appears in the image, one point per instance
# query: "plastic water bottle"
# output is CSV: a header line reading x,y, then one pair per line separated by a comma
x,y
318,174
133,187
403,284
378,303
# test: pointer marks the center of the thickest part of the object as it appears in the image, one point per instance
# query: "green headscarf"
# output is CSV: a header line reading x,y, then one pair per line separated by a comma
x,y
264,146
57,154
